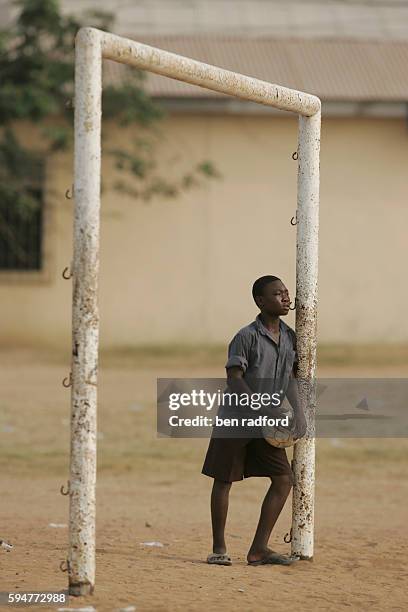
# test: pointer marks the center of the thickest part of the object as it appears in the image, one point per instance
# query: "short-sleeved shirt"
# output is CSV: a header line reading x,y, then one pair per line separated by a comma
x,y
267,366
234,453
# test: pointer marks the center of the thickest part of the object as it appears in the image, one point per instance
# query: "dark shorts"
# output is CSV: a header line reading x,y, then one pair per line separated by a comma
x,y
231,459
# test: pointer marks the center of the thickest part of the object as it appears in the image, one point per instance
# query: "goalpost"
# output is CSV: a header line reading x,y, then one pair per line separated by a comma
x,y
91,46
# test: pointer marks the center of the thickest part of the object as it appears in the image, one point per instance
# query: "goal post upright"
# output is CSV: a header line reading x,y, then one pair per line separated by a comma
x,y
307,216
85,315
91,46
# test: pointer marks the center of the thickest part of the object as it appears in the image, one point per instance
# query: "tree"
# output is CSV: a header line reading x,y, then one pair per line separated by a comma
x,y
36,71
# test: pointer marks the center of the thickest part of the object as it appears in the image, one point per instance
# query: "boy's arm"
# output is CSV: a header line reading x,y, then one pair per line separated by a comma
x,y
293,396
236,381
237,364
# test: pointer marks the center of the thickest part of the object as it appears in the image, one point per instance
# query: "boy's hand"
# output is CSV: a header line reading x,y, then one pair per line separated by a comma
x,y
300,425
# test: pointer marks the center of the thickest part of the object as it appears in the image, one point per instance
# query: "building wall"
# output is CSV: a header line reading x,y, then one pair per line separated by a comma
x,y
181,271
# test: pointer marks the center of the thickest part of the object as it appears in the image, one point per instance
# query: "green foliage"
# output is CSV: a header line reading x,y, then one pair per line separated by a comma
x,y
37,75
130,104
20,178
36,62
20,173
141,166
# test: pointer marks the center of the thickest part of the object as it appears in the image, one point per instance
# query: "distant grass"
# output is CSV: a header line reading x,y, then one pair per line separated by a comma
x,y
39,444
53,463
21,461
328,354
169,354
176,457
362,354
143,355
366,451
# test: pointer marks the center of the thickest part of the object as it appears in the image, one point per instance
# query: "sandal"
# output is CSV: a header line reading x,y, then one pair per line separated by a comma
x,y
274,558
219,559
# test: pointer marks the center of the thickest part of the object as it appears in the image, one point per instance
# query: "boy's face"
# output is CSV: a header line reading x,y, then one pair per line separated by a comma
x,y
275,300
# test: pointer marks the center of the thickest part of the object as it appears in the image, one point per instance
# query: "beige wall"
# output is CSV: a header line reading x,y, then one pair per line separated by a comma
x,y
181,271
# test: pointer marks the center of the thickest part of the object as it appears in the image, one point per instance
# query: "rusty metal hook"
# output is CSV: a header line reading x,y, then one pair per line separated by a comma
x,y
64,565
294,307
294,220
64,273
295,155
288,537
68,193
67,490
67,382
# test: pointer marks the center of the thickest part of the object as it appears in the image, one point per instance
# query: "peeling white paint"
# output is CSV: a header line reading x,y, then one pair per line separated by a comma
x,y
85,316
218,79
306,319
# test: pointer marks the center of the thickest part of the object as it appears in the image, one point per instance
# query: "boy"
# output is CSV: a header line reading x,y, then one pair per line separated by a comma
x,y
265,351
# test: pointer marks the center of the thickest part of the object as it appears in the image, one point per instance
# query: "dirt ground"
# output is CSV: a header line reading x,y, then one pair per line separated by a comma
x,y
151,489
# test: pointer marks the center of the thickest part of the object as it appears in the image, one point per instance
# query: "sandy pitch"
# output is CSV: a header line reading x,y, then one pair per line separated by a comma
x,y
151,490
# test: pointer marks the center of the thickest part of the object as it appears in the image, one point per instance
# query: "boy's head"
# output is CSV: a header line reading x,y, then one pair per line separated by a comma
x,y
271,296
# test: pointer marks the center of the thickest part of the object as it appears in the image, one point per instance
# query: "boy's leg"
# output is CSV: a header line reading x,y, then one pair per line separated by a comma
x,y
271,509
224,462
219,511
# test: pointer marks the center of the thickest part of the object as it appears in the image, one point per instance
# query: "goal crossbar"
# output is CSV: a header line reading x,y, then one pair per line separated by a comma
x,y
91,46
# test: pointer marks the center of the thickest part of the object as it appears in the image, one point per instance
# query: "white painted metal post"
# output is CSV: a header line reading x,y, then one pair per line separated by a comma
x,y
91,46
306,319
85,317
